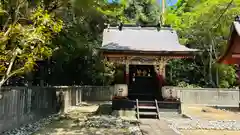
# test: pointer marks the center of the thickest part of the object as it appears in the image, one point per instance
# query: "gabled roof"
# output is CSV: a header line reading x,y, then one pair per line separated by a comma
x,y
227,57
142,39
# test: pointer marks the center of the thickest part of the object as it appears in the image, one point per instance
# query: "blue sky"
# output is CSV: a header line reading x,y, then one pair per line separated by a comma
x,y
169,2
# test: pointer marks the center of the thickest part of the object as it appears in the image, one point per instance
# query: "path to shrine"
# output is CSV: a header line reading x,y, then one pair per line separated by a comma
x,y
155,127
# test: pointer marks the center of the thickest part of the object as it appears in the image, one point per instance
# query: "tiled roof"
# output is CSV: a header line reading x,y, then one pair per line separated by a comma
x,y
142,39
237,27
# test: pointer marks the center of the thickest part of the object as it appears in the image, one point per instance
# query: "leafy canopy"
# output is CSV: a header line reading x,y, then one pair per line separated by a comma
x,y
25,38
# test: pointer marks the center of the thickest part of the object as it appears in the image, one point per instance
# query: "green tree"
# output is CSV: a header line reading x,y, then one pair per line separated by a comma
x,y
26,35
132,11
142,11
192,20
76,61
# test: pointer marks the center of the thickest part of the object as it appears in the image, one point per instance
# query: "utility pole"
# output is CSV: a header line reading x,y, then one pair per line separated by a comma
x,y
163,11
210,64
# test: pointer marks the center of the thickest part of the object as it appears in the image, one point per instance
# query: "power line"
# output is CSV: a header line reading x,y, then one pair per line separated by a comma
x,y
217,23
224,11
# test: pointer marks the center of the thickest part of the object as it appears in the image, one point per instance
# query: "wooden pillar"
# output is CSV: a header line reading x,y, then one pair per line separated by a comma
x,y
160,70
160,77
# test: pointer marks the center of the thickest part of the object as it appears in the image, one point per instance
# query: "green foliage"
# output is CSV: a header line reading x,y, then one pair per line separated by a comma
x,y
132,11
185,70
186,85
25,42
76,61
66,33
192,21
142,11
227,76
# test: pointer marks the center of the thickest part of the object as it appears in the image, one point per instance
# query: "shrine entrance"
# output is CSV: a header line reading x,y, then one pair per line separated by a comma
x,y
143,82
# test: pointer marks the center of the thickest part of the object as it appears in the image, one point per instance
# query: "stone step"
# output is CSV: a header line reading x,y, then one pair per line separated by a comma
x,y
148,113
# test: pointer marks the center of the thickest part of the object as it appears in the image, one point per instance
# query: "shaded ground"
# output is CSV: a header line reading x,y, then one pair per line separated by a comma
x,y
89,120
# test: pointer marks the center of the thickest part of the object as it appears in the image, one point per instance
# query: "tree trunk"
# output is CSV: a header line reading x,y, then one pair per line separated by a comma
x,y
7,75
1,83
217,77
210,65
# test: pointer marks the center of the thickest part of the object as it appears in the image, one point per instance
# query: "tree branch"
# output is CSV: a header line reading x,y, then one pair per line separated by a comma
x,y
11,64
6,23
7,74
7,32
5,78
15,72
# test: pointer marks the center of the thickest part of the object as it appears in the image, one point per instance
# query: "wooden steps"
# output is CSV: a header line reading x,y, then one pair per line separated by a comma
x,y
151,108
147,109
148,113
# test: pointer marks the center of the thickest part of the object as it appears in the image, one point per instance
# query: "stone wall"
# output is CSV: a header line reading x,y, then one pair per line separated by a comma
x,y
210,97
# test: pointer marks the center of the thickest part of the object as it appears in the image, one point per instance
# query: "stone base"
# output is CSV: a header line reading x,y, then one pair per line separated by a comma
x,y
125,114
122,104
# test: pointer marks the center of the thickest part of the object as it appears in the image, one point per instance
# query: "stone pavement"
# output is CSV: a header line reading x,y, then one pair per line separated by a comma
x,y
155,127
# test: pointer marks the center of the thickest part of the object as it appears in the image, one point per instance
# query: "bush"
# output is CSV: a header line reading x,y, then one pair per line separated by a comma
x,y
186,85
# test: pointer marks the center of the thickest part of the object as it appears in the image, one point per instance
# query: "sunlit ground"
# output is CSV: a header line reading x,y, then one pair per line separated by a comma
x,y
208,113
71,124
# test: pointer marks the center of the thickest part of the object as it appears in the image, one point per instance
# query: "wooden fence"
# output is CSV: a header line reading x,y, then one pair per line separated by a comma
x,y
21,105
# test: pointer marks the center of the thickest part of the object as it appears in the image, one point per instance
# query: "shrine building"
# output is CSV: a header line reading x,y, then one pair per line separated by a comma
x,y
144,51
232,51
231,55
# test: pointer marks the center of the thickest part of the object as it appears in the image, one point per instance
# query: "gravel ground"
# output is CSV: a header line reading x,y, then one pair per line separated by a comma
x,y
78,123
29,129
209,132
176,121
110,122
209,113
91,125
82,120
96,125
204,124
